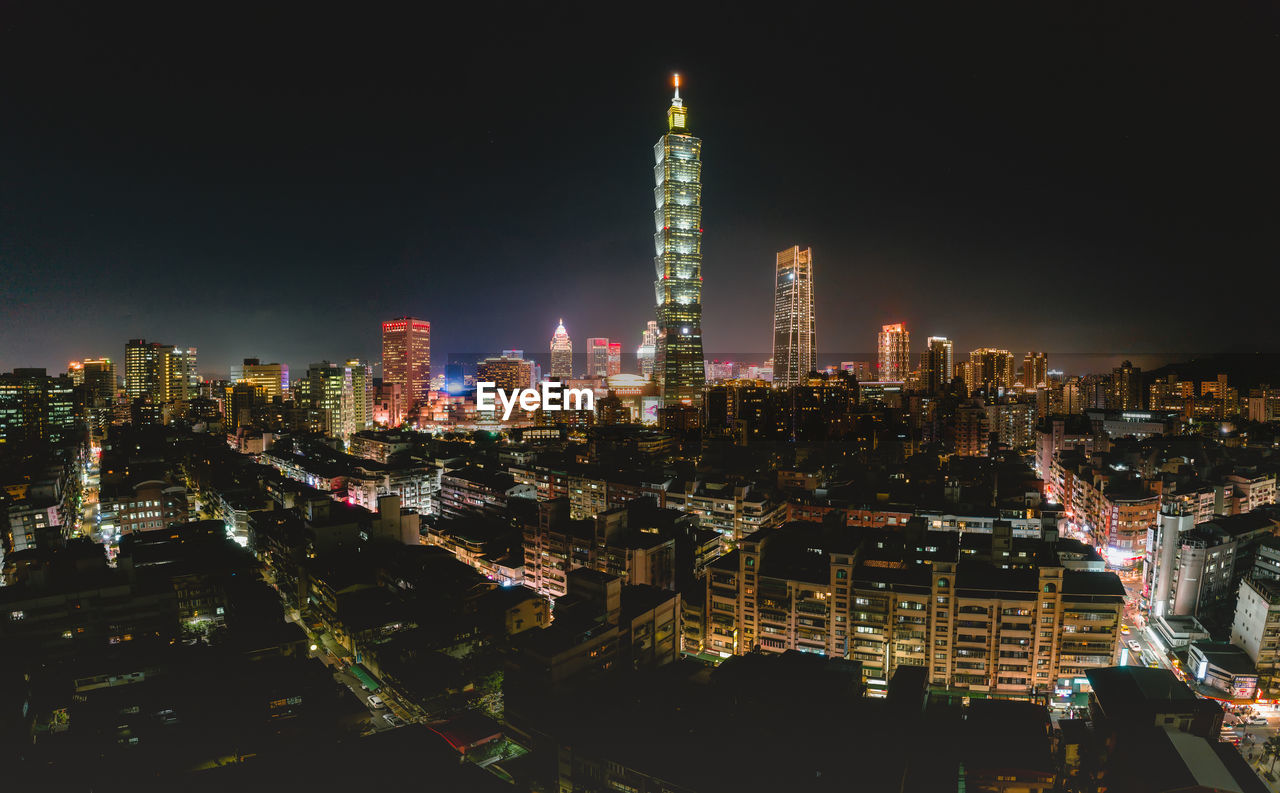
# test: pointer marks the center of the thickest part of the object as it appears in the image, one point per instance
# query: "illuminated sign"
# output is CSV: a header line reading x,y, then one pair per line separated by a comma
x,y
551,397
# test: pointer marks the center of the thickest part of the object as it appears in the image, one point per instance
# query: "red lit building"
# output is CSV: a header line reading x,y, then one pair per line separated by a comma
x,y
406,361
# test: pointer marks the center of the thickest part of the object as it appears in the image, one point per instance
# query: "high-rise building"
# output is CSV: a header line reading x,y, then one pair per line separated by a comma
x,y
648,345
894,353
406,357
615,358
795,344
561,354
1035,370
98,379
989,370
148,370
1126,387
184,377
597,357
937,364
508,372
35,407
327,388
272,378
361,395
677,221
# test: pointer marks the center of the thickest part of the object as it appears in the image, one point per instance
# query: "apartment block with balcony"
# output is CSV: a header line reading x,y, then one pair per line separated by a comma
x,y
977,627
1256,630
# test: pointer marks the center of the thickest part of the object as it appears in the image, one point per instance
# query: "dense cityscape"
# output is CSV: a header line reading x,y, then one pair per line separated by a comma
x,y
584,563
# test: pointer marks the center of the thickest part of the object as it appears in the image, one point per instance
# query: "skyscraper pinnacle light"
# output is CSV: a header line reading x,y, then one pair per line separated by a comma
x,y
677,241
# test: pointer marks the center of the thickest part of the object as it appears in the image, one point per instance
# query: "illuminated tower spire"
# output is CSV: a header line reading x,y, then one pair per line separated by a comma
x,y
677,240
561,354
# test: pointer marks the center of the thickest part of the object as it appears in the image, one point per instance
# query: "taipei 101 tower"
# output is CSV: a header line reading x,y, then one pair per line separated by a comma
x,y
677,241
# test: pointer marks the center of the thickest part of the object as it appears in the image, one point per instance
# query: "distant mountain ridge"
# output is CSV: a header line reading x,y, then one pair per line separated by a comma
x,y
1244,370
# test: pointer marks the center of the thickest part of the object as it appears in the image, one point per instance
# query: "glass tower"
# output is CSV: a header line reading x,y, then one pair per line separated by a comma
x,y
677,242
794,334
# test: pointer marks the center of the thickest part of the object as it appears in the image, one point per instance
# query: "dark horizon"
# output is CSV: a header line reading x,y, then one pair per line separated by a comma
x,y
1075,179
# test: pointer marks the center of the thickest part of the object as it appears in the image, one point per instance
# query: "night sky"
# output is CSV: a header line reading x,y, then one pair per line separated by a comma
x,y
1099,178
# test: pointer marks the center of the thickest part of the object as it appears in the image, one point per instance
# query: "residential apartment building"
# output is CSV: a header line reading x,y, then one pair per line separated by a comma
x,y
976,627
1256,629
620,542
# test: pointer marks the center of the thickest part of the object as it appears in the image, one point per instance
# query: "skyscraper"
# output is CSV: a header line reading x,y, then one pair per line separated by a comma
x,y
989,370
99,378
1126,387
615,358
406,357
361,394
893,351
677,220
148,370
1035,370
648,345
37,408
328,389
561,354
795,343
597,357
184,379
509,372
937,364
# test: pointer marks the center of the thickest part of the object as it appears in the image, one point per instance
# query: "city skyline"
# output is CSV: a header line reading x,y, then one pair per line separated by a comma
x,y
411,398
1022,191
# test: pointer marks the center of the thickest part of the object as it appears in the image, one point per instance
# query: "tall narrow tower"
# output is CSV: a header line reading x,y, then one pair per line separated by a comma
x,y
561,354
677,241
794,335
406,358
894,353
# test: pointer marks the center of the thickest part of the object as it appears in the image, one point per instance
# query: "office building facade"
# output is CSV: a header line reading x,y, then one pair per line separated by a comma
x,y
937,364
406,357
893,351
794,329
561,354
677,220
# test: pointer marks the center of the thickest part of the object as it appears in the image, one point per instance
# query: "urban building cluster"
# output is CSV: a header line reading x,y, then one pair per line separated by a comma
x,y
919,572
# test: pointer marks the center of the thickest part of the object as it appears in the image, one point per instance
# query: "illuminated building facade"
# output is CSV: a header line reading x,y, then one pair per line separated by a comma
x,y
98,376
272,378
184,377
37,408
677,238
597,357
648,345
1126,387
989,370
361,395
327,388
1035,370
507,372
937,364
561,354
614,359
893,349
973,625
406,358
147,369
795,343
